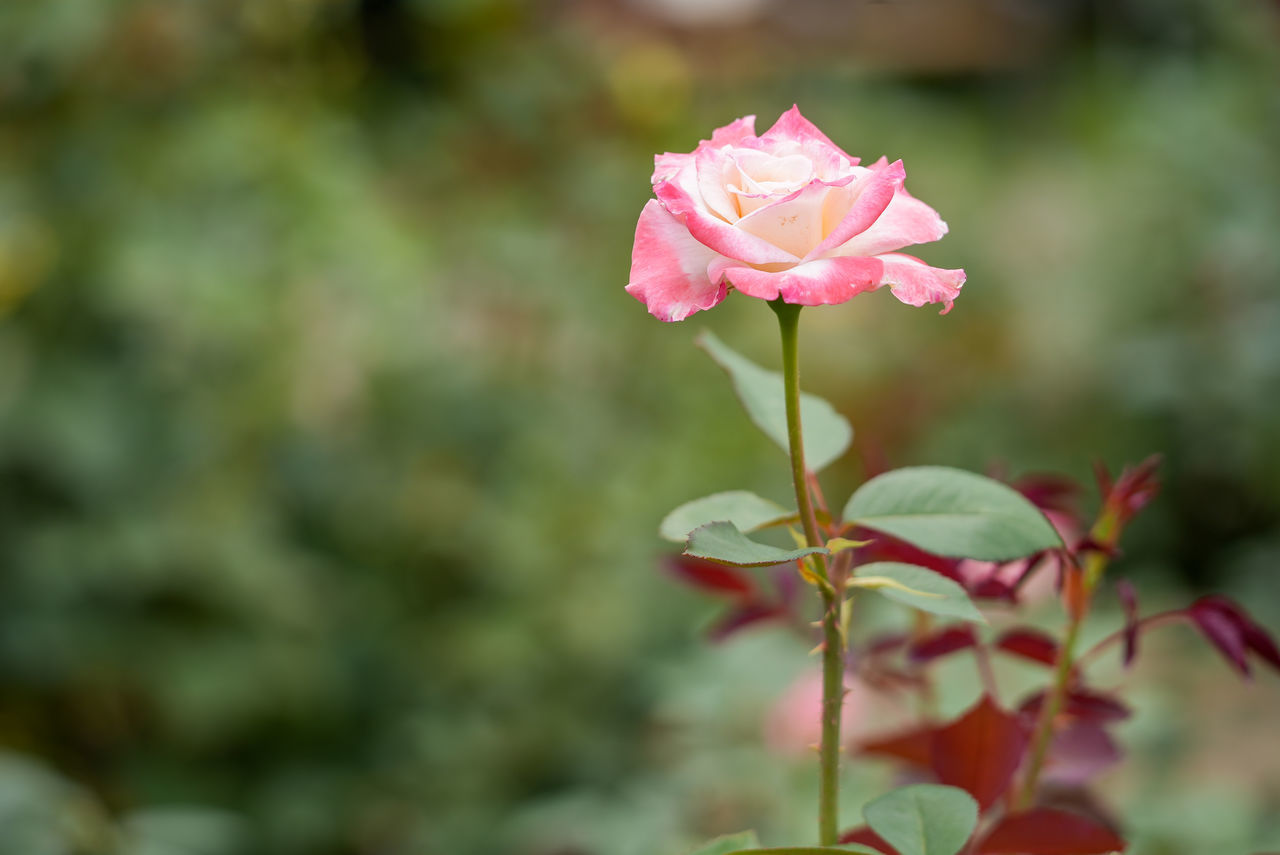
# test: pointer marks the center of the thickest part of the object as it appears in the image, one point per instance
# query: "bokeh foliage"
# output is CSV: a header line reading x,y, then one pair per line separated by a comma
x,y
331,450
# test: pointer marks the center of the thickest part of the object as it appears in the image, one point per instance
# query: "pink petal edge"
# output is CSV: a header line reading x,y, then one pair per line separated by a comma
x,y
710,229
791,125
822,282
875,194
916,283
669,268
905,222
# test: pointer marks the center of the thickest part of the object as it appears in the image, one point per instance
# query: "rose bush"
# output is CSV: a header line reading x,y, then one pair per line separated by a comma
x,y
785,214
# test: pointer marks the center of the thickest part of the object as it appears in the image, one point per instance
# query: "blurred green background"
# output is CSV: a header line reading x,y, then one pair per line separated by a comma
x,y
332,451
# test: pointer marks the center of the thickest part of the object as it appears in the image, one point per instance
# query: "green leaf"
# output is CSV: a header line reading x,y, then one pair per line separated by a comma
x,y
827,434
840,544
952,512
741,842
877,582
920,588
924,819
812,850
744,509
721,541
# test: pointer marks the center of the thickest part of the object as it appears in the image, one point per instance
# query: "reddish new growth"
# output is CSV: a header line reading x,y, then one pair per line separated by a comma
x,y
1034,799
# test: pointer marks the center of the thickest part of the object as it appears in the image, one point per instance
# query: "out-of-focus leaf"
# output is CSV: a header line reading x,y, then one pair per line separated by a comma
x,y
1049,831
722,542
912,746
864,836
886,643
1083,705
810,850
826,433
711,577
886,547
743,616
1049,491
1129,600
947,640
185,831
1228,627
993,588
1030,644
1078,754
924,590
952,512
743,508
924,819
743,840
1132,491
980,751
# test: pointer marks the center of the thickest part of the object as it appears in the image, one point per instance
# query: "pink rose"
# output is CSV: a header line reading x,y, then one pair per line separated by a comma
x,y
783,214
794,724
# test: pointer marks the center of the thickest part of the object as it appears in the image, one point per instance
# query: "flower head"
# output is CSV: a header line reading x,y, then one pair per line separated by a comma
x,y
786,214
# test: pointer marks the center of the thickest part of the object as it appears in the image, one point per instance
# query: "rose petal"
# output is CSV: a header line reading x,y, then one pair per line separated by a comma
x,y
904,222
916,283
850,214
824,281
669,268
668,166
734,132
715,171
795,222
791,126
680,195
665,166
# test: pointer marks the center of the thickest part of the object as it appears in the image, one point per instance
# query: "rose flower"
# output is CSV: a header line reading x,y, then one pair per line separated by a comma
x,y
785,214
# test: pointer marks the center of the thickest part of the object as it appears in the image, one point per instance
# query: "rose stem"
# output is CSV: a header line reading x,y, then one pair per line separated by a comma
x,y
1146,623
1043,733
832,648
1104,531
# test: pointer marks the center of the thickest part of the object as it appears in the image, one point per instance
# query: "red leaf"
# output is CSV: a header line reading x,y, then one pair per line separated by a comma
x,y
1082,705
1261,643
913,746
1079,753
980,751
887,643
885,547
941,643
786,581
1049,831
1229,628
1030,644
1129,599
866,837
711,577
992,588
1049,492
1220,621
1132,491
742,617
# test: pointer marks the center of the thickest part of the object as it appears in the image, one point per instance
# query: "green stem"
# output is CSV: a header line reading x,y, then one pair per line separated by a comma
x,y
832,648
1041,738
1043,734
